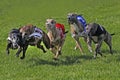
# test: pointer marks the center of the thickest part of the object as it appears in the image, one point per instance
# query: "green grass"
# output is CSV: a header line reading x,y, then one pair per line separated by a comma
x,y
71,64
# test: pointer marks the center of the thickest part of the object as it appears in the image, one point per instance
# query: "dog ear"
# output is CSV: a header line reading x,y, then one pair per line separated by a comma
x,y
53,21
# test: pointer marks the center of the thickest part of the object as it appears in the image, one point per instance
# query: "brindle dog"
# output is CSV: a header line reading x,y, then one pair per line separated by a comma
x,y
98,34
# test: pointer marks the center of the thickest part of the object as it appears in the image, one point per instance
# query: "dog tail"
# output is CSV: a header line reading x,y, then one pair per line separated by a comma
x,y
112,34
65,32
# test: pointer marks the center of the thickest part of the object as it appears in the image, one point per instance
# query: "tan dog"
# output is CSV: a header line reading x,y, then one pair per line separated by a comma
x,y
56,33
77,26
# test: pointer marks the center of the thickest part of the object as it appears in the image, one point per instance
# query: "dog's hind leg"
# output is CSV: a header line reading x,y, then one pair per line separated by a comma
x,y
41,47
108,41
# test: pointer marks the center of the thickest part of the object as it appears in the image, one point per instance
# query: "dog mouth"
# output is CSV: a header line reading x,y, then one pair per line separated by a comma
x,y
71,20
14,46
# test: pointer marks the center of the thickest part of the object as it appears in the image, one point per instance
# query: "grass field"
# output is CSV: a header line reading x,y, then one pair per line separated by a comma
x,y
71,64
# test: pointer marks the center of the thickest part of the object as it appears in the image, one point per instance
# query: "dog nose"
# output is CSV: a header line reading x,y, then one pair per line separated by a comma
x,y
69,18
16,46
48,24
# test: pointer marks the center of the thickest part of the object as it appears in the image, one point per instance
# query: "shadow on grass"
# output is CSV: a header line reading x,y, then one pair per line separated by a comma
x,y
67,60
106,51
118,58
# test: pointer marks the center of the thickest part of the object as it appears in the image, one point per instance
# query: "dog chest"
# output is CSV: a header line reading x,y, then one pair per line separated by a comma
x,y
75,27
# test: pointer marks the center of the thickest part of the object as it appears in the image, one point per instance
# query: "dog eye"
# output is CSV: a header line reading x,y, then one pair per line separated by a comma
x,y
25,34
52,22
17,39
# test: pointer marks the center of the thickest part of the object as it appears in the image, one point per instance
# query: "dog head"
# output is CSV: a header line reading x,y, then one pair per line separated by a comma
x,y
72,18
50,24
26,30
14,38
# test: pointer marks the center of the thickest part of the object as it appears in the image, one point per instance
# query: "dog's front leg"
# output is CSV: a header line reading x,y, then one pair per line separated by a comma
x,y
41,47
78,44
97,49
19,51
7,49
108,41
56,52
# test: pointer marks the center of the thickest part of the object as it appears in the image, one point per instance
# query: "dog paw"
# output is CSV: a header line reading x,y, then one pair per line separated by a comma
x,y
59,53
22,58
75,48
55,59
44,51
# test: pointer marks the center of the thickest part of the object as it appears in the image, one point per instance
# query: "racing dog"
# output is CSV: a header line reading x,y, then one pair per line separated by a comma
x,y
77,25
17,40
98,34
30,32
56,34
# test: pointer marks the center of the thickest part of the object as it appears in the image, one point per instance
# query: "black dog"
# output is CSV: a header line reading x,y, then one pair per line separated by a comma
x,y
15,41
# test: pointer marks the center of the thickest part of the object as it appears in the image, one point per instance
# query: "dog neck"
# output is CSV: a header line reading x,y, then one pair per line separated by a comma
x,y
53,32
77,27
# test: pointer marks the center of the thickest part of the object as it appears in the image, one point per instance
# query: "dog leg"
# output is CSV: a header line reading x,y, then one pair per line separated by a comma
x,y
76,47
60,46
24,51
109,43
56,55
54,50
97,49
18,52
89,44
7,49
79,45
41,47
